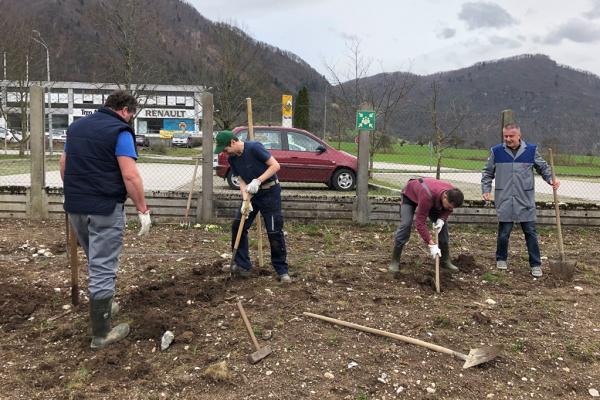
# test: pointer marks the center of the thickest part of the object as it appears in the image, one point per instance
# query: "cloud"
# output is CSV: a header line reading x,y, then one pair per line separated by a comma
x,y
485,15
446,33
594,12
576,30
507,43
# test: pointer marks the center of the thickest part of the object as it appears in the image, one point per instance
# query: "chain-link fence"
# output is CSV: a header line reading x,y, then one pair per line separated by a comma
x,y
162,165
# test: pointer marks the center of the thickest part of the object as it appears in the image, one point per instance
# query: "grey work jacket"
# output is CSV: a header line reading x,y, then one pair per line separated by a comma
x,y
514,194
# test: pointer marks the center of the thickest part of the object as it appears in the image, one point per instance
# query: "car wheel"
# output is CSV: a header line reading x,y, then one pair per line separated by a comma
x,y
343,179
233,181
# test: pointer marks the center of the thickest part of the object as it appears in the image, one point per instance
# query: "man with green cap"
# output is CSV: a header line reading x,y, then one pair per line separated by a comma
x,y
256,169
512,164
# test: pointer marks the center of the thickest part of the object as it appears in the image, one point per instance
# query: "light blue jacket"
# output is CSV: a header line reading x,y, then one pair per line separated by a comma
x,y
514,194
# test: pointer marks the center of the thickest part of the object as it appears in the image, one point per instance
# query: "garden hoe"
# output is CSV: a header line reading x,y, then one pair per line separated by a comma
x,y
260,353
475,356
185,223
73,261
562,268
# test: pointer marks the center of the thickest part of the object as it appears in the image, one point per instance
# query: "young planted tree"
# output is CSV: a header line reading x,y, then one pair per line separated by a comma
x,y
446,126
302,110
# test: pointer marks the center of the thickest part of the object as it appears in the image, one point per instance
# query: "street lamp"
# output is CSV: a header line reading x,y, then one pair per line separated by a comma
x,y
38,38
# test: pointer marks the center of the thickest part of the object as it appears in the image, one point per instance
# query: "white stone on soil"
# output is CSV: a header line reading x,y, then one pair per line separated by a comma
x,y
166,340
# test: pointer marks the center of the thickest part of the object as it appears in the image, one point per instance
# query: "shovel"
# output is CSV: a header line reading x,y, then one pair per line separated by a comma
x,y
562,268
437,263
243,218
185,223
475,356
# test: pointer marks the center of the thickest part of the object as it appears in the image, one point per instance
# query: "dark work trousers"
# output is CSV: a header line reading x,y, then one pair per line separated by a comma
x,y
268,203
533,248
407,212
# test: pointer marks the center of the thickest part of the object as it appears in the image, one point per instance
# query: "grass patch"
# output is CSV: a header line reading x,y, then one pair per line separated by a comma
x,y
492,277
518,346
441,321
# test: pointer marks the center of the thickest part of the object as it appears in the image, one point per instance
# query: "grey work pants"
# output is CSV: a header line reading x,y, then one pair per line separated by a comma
x,y
101,237
407,212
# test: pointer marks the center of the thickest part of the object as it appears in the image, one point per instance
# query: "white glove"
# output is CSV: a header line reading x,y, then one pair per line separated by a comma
x,y
253,186
435,250
438,225
144,222
246,208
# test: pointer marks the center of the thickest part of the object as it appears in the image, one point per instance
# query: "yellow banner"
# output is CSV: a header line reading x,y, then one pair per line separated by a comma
x,y
164,134
287,106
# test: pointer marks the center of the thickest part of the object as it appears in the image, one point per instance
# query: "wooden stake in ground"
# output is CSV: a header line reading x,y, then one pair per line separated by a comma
x,y
73,261
261,257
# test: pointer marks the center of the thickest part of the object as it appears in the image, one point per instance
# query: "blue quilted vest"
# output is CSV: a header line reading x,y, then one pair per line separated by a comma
x,y
93,183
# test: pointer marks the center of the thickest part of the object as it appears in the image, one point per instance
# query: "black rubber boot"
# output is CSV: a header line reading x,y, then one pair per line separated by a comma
x,y
395,263
100,316
445,258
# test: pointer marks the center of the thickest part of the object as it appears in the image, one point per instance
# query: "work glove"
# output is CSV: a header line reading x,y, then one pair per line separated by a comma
x,y
145,222
438,225
435,250
253,186
246,207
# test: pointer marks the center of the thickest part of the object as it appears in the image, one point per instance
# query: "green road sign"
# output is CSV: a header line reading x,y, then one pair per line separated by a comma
x,y
365,120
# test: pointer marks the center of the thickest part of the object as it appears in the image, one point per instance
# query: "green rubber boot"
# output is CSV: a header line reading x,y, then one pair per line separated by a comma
x,y
445,258
395,263
100,315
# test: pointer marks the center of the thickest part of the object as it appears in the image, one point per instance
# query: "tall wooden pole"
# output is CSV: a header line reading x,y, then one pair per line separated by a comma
x,y
261,257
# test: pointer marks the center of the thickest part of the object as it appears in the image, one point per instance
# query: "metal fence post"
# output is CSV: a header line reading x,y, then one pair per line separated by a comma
x,y
38,202
207,206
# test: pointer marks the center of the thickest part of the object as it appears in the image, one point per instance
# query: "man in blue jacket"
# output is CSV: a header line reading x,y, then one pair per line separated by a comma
x,y
256,169
99,172
512,164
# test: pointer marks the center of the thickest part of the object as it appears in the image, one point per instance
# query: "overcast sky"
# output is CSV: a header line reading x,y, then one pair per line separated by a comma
x,y
420,36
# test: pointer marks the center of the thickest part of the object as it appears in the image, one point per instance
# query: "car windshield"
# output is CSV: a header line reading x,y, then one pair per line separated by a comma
x,y
271,139
181,135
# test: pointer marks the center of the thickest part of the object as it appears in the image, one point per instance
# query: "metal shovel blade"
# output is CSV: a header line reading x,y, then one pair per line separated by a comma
x,y
563,269
481,355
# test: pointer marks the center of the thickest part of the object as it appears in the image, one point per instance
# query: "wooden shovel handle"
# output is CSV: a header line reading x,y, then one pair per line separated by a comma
x,y
379,332
189,200
248,326
261,257
561,246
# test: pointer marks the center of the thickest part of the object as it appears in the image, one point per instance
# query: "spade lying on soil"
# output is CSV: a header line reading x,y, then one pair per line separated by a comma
x,y
475,356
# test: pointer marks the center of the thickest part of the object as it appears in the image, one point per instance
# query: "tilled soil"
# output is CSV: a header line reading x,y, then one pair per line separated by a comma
x,y
549,329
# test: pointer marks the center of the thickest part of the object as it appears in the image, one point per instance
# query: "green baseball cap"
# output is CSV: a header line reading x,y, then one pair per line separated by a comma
x,y
222,140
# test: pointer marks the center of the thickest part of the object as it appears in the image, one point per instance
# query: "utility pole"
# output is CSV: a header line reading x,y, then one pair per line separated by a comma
x,y
41,41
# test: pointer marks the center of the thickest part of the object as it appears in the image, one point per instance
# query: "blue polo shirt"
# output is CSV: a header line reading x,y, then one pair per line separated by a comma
x,y
251,163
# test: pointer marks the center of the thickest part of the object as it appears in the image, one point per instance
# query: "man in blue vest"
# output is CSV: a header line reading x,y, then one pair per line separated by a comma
x,y
256,169
512,164
99,172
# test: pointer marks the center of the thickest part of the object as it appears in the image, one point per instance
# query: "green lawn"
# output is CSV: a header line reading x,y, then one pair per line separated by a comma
x,y
471,159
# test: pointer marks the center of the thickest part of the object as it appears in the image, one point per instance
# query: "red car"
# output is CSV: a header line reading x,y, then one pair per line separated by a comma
x,y
303,158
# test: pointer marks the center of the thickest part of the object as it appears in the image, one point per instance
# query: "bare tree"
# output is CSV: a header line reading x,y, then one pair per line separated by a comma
x,y
237,76
20,54
383,92
446,125
129,63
